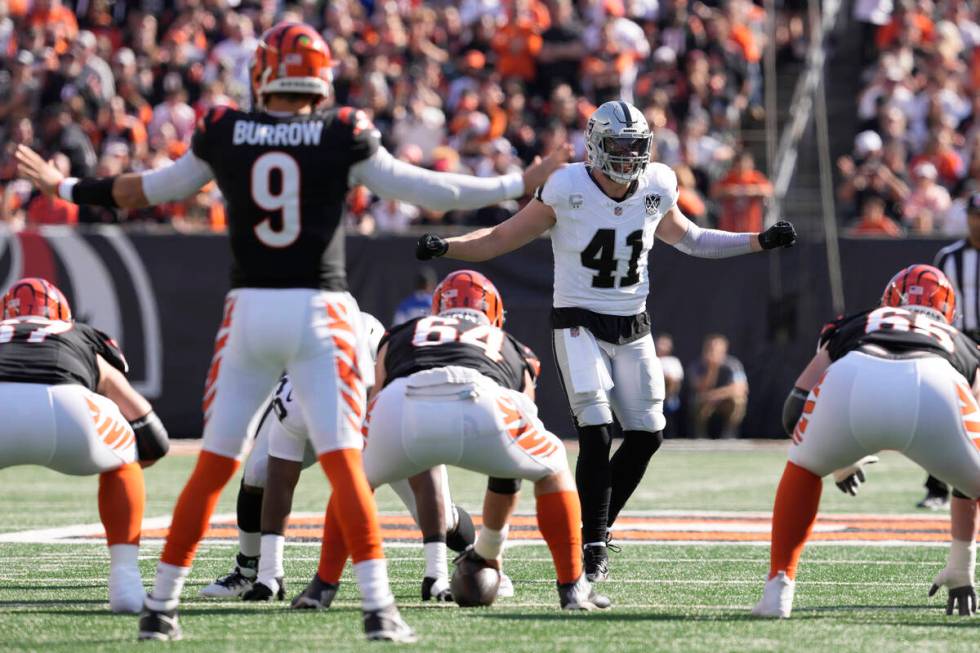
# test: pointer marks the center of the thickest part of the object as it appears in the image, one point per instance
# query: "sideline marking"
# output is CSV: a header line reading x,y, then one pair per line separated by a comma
x,y
636,527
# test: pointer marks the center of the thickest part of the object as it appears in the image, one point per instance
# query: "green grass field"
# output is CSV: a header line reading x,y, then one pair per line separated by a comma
x,y
668,597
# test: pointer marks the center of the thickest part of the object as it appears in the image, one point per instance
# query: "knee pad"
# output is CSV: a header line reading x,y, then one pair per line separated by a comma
x,y
256,470
594,415
649,418
504,485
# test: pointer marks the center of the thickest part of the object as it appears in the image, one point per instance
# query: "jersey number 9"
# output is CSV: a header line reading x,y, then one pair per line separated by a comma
x,y
285,201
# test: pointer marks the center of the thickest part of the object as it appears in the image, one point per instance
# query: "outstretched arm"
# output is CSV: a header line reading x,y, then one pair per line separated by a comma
x,y
390,178
177,181
675,229
484,244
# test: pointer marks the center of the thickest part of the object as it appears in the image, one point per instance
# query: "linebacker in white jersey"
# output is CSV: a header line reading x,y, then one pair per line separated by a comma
x,y
604,215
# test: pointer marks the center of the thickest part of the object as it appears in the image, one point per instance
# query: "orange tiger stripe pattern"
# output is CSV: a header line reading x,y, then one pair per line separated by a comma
x,y
116,434
35,296
808,407
970,412
523,431
220,341
352,389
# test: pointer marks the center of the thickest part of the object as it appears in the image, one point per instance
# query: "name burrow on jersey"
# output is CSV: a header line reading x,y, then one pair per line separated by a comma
x,y
248,132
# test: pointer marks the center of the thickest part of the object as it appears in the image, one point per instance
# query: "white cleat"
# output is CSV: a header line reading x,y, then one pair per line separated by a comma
x,y
777,598
126,592
506,588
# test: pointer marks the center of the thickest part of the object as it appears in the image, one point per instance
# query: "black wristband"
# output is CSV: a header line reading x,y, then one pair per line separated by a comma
x,y
793,409
152,441
94,190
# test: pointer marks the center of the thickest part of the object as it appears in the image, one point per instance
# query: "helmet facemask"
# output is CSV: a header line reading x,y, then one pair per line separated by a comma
x,y
619,141
623,159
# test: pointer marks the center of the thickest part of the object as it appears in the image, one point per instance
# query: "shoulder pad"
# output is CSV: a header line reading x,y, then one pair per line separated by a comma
x,y
663,176
213,116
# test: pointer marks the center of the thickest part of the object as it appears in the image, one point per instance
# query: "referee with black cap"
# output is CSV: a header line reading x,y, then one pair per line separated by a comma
x,y
961,263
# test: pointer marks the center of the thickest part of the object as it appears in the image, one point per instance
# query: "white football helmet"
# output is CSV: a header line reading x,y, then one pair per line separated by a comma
x,y
618,140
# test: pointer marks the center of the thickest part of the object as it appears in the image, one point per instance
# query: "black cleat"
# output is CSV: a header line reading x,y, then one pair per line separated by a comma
x,y
463,534
237,582
318,595
159,625
262,592
596,563
436,589
934,501
580,595
386,625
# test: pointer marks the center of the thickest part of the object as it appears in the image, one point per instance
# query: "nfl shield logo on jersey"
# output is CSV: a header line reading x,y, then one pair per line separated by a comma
x,y
652,203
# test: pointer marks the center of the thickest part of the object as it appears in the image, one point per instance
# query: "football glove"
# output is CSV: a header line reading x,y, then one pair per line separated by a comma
x,y
957,577
849,479
430,246
781,234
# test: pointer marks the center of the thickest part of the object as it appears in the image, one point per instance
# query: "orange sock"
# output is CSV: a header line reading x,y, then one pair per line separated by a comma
x,y
195,506
333,551
122,498
560,522
357,513
793,516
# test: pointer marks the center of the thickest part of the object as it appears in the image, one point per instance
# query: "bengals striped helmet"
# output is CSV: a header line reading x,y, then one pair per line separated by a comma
x,y
922,287
35,296
469,290
291,58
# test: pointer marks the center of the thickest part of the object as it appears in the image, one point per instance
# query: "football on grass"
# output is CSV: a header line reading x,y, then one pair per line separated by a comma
x,y
474,583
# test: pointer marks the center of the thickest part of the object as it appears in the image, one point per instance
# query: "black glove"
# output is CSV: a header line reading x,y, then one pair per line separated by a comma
x,y
430,246
962,598
781,234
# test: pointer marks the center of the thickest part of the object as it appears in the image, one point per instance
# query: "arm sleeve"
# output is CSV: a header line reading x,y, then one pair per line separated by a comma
x,y
390,178
176,181
713,243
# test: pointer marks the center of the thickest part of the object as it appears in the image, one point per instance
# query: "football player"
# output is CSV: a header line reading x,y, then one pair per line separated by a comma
x,y
455,389
604,215
284,170
899,377
261,522
67,406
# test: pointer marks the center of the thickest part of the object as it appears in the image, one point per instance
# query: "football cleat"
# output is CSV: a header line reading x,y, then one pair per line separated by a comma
x,y
580,595
506,588
237,582
159,625
934,502
387,625
436,589
318,595
777,598
126,592
596,563
262,592
463,534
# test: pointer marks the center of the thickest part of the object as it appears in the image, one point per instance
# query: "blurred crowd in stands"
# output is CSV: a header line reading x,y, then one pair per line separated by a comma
x,y
473,86
916,157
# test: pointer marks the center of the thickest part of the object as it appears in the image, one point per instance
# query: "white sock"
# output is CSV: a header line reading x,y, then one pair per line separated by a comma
x,y
602,544
435,560
248,543
490,543
271,560
124,555
372,579
165,594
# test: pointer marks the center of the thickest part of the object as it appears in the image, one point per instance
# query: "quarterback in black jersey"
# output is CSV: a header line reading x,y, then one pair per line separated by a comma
x,y
284,170
897,377
455,389
67,406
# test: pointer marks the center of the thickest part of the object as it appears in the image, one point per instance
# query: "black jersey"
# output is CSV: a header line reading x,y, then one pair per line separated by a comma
x,y
899,331
439,341
37,350
284,180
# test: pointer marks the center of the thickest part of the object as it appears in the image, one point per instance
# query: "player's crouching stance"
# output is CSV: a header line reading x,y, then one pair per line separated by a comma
x,y
895,377
284,170
457,390
604,216
67,406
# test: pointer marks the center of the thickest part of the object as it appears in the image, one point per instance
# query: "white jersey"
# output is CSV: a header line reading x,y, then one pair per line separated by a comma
x,y
602,246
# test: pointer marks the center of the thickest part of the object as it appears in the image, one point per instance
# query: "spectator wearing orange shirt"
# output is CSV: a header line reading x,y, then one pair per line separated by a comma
x,y
873,221
742,194
908,26
57,20
518,43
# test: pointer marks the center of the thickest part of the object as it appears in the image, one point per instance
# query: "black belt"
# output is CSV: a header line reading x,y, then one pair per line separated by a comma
x,y
909,354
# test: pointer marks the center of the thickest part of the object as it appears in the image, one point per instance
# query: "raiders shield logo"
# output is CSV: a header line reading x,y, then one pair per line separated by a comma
x,y
652,203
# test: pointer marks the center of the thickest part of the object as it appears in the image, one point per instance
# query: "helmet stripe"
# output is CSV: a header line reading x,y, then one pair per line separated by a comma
x,y
628,119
